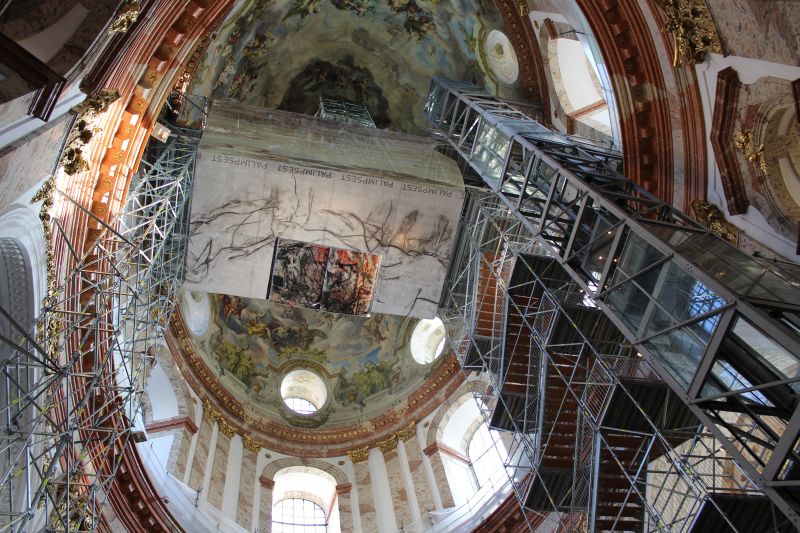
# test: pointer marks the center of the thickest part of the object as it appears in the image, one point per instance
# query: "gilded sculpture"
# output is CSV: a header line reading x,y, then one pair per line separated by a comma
x,y
710,216
128,14
694,31
754,155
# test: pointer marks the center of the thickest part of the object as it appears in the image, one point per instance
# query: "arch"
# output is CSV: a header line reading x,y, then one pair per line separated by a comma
x,y
461,395
281,464
16,298
196,310
22,224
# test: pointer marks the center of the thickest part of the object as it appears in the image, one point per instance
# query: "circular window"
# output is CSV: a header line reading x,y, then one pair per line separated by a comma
x,y
428,340
501,56
303,392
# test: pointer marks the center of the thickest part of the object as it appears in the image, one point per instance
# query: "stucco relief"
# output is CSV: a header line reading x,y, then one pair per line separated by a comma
x,y
756,140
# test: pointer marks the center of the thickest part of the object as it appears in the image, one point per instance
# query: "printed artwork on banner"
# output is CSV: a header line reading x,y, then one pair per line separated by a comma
x,y
320,277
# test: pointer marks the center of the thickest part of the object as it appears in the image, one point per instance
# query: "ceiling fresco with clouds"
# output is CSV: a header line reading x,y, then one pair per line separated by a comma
x,y
286,53
364,361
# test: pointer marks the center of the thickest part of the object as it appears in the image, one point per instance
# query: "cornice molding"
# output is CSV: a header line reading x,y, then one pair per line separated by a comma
x,y
723,131
303,442
639,88
169,424
523,37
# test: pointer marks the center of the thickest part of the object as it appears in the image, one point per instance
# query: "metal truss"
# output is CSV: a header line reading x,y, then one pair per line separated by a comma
x,y
718,327
344,111
72,388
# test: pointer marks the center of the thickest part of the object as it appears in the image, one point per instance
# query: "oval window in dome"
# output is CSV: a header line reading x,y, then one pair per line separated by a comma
x,y
428,340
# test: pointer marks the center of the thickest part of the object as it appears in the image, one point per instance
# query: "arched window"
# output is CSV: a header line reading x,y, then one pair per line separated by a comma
x,y
305,501
473,455
298,515
486,452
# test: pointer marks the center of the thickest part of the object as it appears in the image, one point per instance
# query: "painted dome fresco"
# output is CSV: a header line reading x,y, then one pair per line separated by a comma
x,y
285,54
348,369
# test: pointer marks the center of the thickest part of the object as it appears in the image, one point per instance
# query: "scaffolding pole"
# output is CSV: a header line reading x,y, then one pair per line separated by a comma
x,y
692,309
73,386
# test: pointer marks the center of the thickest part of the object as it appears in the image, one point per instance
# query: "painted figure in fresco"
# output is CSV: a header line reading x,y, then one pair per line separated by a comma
x,y
359,7
418,22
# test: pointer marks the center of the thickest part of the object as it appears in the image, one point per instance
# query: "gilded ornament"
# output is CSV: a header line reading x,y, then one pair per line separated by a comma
x,y
754,155
359,455
128,14
389,444
251,444
710,216
694,31
408,433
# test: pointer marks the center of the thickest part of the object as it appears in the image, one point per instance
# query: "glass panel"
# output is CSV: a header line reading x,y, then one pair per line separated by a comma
x,y
785,363
682,298
490,150
733,381
672,236
298,515
636,256
630,304
679,352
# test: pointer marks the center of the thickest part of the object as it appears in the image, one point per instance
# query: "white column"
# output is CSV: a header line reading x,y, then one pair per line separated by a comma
x,y
261,462
233,477
437,497
381,492
351,476
212,449
198,421
405,472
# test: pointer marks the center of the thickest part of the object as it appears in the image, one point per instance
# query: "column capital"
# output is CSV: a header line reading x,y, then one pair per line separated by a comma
x,y
344,488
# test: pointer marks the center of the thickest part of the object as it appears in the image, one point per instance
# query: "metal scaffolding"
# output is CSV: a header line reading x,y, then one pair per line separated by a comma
x,y
344,111
72,387
647,367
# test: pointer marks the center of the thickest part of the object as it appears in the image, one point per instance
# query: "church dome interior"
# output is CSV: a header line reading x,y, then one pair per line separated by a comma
x,y
380,266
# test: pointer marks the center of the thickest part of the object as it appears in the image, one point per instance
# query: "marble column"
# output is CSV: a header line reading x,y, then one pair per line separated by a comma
x,y
385,519
200,460
439,475
244,511
233,478
179,454
419,479
198,421
345,507
219,471
265,512
402,510
366,504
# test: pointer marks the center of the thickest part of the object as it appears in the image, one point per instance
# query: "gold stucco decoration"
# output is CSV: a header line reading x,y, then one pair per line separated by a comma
x,y
215,416
408,433
710,216
251,444
694,31
359,455
754,155
72,159
127,15
389,444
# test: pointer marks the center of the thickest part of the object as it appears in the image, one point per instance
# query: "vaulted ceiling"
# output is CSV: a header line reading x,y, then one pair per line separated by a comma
x,y
286,53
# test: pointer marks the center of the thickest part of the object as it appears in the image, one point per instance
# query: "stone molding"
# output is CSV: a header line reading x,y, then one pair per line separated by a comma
x,y
447,450
723,126
303,442
169,424
639,88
